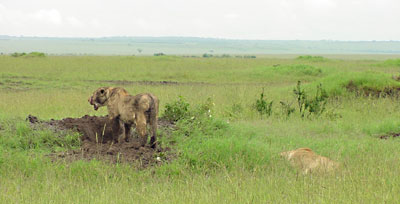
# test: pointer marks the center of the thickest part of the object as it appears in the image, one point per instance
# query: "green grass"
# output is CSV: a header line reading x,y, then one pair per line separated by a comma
x,y
392,62
230,157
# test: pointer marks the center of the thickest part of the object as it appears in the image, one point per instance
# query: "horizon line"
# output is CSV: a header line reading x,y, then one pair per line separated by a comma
x,y
213,38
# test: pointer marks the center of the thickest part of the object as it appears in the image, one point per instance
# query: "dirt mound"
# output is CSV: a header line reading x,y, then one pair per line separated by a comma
x,y
98,141
390,135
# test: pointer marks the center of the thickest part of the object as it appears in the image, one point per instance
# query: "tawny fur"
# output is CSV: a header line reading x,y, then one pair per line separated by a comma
x,y
141,110
308,161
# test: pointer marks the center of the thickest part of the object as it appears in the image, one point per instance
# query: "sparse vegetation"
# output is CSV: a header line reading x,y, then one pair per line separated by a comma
x,y
311,58
298,69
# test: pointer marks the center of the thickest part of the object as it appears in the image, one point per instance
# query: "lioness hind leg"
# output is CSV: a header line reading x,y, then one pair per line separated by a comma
x,y
141,128
122,135
153,129
127,132
153,122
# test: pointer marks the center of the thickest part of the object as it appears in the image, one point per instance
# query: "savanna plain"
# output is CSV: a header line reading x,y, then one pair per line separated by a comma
x,y
233,116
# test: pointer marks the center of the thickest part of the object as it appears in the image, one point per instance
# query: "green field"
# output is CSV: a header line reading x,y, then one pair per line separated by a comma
x,y
231,155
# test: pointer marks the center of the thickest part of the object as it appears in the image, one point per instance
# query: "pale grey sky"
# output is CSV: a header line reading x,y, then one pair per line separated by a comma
x,y
250,19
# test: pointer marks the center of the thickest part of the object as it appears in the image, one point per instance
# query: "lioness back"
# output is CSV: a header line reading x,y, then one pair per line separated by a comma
x,y
308,161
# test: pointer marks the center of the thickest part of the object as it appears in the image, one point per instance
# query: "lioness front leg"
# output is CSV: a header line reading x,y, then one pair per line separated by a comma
x,y
141,128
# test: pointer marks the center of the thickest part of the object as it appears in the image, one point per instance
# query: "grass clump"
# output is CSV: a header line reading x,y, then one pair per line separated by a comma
x,y
297,69
23,137
392,62
361,83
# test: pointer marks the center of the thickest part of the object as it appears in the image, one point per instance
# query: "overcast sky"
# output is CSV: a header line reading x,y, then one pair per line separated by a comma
x,y
249,19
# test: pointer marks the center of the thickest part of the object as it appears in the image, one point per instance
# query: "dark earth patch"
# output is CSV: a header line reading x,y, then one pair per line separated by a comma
x,y
389,135
171,83
370,91
98,136
150,83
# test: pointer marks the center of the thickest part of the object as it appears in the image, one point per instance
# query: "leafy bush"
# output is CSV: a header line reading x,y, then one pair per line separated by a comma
x,y
315,105
176,110
262,106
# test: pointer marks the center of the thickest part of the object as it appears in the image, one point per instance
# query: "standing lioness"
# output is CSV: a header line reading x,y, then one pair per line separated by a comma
x,y
141,109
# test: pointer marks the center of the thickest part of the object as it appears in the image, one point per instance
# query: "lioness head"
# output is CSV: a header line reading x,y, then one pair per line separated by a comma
x,y
286,155
100,97
301,151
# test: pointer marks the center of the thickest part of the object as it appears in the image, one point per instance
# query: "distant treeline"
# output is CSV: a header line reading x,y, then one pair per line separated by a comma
x,y
31,54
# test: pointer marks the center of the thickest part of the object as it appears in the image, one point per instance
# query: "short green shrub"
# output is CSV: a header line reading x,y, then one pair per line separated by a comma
x,y
176,110
315,105
262,106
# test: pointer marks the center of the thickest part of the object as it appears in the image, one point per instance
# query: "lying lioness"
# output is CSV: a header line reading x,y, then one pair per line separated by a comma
x,y
141,109
308,161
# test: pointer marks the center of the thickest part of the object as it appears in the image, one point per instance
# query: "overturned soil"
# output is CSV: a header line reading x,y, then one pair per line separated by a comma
x,y
370,91
98,141
390,135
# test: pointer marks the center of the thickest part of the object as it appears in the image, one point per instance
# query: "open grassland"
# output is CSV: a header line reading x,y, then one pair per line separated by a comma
x,y
232,156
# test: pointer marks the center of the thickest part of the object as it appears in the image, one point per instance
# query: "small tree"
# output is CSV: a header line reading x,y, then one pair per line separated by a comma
x,y
263,106
315,105
301,97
